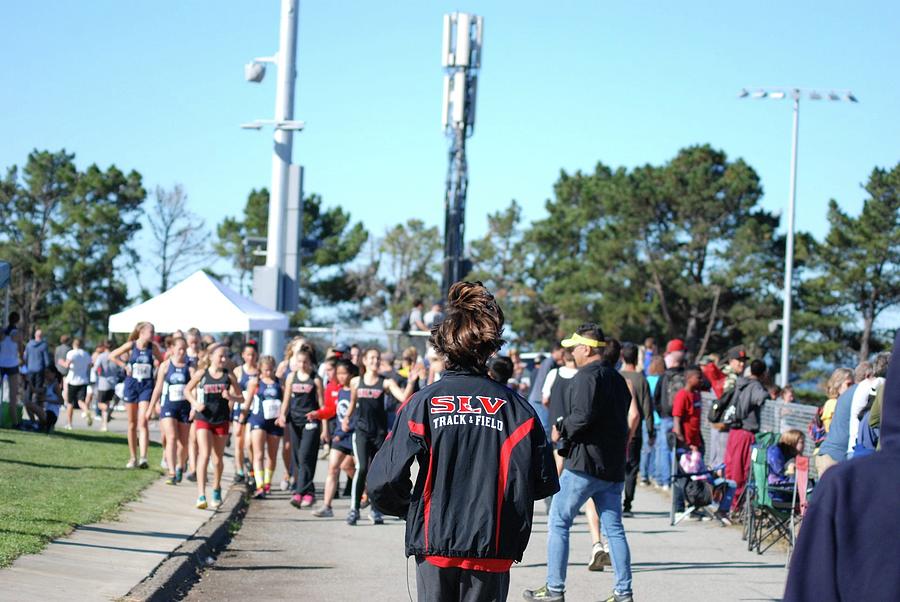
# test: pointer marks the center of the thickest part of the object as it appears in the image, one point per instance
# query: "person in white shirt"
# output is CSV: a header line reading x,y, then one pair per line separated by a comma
x,y
433,317
78,364
862,395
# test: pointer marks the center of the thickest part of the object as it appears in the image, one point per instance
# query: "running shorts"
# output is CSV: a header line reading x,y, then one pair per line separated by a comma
x,y
257,422
77,393
106,396
137,390
179,410
220,429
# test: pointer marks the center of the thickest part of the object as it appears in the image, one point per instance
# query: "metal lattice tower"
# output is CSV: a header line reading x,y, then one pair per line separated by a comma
x,y
461,58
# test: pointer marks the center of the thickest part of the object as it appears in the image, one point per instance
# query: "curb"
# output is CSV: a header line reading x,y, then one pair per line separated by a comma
x,y
175,575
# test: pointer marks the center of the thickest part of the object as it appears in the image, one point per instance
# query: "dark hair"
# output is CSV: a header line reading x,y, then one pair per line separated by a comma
x,y
347,365
472,329
417,302
880,364
500,369
612,352
693,370
592,331
757,368
630,353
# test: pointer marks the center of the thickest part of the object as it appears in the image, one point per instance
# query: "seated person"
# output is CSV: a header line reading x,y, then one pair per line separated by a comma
x,y
780,458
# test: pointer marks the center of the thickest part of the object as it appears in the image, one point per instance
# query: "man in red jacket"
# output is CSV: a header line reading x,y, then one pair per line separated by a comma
x,y
483,461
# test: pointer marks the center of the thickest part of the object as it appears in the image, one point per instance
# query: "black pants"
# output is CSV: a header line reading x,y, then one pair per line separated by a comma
x,y
305,449
364,447
632,468
435,584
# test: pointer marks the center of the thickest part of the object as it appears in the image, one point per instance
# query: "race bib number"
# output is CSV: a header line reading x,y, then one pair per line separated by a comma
x,y
141,371
271,407
176,392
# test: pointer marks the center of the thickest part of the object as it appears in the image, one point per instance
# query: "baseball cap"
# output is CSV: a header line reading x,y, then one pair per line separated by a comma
x,y
341,349
577,339
675,345
738,353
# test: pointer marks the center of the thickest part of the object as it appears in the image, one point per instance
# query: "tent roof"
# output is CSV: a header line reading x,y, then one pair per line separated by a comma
x,y
199,301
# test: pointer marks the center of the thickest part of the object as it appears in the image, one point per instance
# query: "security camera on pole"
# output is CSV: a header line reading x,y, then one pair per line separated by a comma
x,y
275,284
461,58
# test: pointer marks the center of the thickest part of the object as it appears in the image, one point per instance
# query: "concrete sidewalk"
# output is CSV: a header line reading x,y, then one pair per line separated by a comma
x,y
103,561
284,553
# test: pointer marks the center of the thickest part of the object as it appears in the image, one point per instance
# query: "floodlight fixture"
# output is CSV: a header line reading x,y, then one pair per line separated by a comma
x,y
849,96
759,94
777,94
743,93
254,72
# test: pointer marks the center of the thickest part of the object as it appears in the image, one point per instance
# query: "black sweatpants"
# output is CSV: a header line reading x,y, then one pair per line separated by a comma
x,y
305,448
365,446
435,584
632,468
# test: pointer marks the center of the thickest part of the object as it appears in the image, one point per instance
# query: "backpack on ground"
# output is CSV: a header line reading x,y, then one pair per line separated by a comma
x,y
722,410
674,383
698,493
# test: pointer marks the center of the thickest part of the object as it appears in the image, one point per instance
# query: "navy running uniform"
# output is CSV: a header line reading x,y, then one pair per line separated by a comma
x,y
341,440
211,392
175,405
305,434
243,381
266,408
139,380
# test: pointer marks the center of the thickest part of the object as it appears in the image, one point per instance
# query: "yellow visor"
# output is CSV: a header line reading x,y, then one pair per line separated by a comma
x,y
577,339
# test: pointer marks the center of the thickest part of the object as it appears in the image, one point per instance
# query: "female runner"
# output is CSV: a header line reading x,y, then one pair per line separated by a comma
x,y
341,455
265,432
303,395
143,355
367,405
212,392
175,415
244,373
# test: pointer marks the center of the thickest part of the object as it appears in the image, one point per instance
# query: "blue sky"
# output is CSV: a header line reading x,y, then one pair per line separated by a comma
x,y
158,87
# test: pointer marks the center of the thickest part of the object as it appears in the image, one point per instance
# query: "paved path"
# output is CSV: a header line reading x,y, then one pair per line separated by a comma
x,y
284,553
103,561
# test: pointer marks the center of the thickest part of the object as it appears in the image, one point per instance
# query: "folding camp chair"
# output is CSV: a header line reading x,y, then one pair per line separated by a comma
x,y
770,520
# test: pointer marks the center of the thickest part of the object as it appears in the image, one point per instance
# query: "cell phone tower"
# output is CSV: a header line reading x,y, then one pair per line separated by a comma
x,y
461,59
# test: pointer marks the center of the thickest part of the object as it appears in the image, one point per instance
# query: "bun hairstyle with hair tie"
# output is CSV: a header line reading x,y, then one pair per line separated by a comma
x,y
472,329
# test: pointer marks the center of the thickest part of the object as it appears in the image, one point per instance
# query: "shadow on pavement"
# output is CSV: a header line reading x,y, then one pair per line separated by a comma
x,y
647,567
63,542
275,567
136,533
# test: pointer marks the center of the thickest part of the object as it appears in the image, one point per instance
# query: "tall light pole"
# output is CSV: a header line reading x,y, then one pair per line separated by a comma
x,y
461,58
272,278
796,94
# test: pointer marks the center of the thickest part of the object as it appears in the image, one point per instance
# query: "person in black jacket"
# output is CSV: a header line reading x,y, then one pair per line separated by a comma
x,y
483,461
594,436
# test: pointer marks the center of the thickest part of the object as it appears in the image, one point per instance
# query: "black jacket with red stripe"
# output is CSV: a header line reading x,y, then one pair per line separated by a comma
x,y
483,460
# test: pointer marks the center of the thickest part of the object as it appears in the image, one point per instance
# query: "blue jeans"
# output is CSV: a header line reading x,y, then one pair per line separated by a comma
x,y
646,455
543,415
574,490
663,453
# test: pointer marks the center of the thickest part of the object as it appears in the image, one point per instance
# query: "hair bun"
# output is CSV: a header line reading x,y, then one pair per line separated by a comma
x,y
468,296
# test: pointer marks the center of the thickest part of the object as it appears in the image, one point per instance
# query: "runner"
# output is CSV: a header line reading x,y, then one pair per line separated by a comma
x,y
138,387
303,396
175,415
341,455
195,352
367,405
244,374
212,391
78,366
9,364
107,378
265,430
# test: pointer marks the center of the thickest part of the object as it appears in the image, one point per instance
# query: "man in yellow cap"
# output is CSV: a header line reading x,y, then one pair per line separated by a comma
x,y
594,437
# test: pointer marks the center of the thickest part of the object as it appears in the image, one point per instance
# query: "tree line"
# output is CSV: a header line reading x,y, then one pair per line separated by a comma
x,y
683,249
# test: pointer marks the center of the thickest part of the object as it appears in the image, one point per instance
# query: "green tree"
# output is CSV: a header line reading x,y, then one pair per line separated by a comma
x,y
857,272
233,237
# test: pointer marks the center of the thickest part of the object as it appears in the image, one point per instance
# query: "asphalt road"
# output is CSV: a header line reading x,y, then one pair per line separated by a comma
x,y
284,553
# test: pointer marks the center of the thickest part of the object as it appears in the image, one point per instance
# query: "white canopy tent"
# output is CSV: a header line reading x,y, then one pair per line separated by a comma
x,y
203,302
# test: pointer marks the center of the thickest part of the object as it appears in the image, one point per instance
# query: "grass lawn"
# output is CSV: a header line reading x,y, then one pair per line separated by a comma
x,y
50,484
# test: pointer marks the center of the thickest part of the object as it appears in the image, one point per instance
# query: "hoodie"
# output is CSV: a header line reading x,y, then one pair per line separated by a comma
x,y
849,542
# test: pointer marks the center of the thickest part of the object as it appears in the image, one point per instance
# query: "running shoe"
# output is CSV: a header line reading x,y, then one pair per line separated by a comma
x,y
617,597
201,503
259,494
143,463
376,517
268,488
104,429
239,477
627,513
179,474
308,500
84,415
285,484
323,512
248,467
191,476
544,594
216,498
131,463
171,481
68,427
352,517
90,419
599,558
297,500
